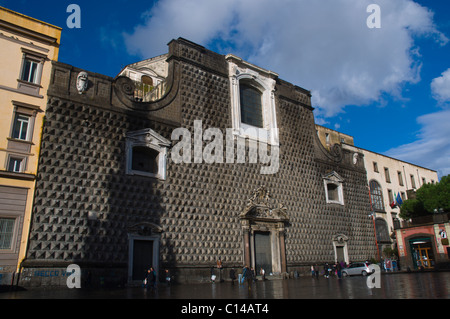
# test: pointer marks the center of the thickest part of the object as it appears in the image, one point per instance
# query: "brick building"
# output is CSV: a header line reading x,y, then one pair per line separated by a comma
x,y
112,198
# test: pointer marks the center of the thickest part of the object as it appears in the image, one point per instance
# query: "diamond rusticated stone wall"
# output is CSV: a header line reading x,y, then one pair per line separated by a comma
x,y
86,205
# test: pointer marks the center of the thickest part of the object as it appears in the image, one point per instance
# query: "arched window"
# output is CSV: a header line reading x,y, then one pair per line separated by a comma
x,y
251,105
382,230
376,196
147,80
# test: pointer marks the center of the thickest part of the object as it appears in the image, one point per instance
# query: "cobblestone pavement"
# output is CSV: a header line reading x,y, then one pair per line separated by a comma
x,y
393,286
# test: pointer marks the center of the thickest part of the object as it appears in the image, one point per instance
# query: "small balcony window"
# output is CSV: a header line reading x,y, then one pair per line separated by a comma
x,y
146,154
30,71
21,127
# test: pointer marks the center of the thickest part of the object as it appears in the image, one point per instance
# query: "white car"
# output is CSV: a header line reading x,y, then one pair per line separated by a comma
x,y
359,268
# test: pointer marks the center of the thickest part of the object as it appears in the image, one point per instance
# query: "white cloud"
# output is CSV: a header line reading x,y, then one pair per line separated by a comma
x,y
324,46
440,87
432,148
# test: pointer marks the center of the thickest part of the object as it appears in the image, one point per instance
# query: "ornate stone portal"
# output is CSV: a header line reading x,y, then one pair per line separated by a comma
x,y
264,233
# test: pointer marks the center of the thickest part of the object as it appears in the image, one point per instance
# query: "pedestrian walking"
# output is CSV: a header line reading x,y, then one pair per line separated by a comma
x,y
262,272
232,276
151,279
339,270
167,276
247,275
326,270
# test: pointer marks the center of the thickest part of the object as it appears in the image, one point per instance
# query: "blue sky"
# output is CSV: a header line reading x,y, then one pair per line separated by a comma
x,y
387,87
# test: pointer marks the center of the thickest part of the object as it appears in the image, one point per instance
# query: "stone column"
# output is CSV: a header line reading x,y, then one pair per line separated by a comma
x,y
283,252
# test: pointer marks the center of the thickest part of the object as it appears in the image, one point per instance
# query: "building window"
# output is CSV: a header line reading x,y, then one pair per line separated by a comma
x,y
252,101
376,196
390,196
375,167
413,181
21,127
334,188
6,233
400,178
382,231
387,176
251,106
146,154
30,71
16,164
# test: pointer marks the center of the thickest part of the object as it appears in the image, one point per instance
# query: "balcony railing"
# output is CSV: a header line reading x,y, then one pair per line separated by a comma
x,y
423,220
148,93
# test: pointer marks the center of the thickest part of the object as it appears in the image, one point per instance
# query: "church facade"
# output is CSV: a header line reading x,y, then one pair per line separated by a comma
x,y
225,165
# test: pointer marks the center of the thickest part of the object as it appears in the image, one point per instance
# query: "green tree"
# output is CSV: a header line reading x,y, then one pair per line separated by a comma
x,y
428,198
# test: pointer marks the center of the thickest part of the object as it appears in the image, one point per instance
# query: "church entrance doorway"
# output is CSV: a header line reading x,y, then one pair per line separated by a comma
x,y
263,252
263,226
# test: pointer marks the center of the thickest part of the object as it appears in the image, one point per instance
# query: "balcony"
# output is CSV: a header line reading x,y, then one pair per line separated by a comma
x,y
439,218
148,93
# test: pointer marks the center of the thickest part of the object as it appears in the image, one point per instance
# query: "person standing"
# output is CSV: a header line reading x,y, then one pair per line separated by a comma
x,y
232,276
151,278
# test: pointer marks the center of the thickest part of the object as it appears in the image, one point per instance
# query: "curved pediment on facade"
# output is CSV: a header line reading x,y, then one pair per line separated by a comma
x,y
124,88
340,238
335,154
144,229
261,207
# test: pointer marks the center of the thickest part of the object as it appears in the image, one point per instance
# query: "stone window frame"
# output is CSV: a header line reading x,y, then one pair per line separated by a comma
x,y
334,179
27,87
23,162
262,80
152,140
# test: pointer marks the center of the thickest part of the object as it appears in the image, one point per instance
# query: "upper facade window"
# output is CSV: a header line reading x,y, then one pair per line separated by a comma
x,y
376,196
146,154
31,72
252,100
21,127
334,191
251,106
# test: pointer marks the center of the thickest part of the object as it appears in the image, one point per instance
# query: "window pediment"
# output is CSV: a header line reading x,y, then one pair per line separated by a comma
x,y
146,153
334,192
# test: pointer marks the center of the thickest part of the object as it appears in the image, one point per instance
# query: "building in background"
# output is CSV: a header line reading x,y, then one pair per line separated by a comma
x,y
390,182
329,137
27,48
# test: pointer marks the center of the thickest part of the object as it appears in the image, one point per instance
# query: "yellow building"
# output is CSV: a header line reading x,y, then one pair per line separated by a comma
x,y
329,137
27,47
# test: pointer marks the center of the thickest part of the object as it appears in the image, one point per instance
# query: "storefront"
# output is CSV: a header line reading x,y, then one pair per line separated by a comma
x,y
422,253
424,246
